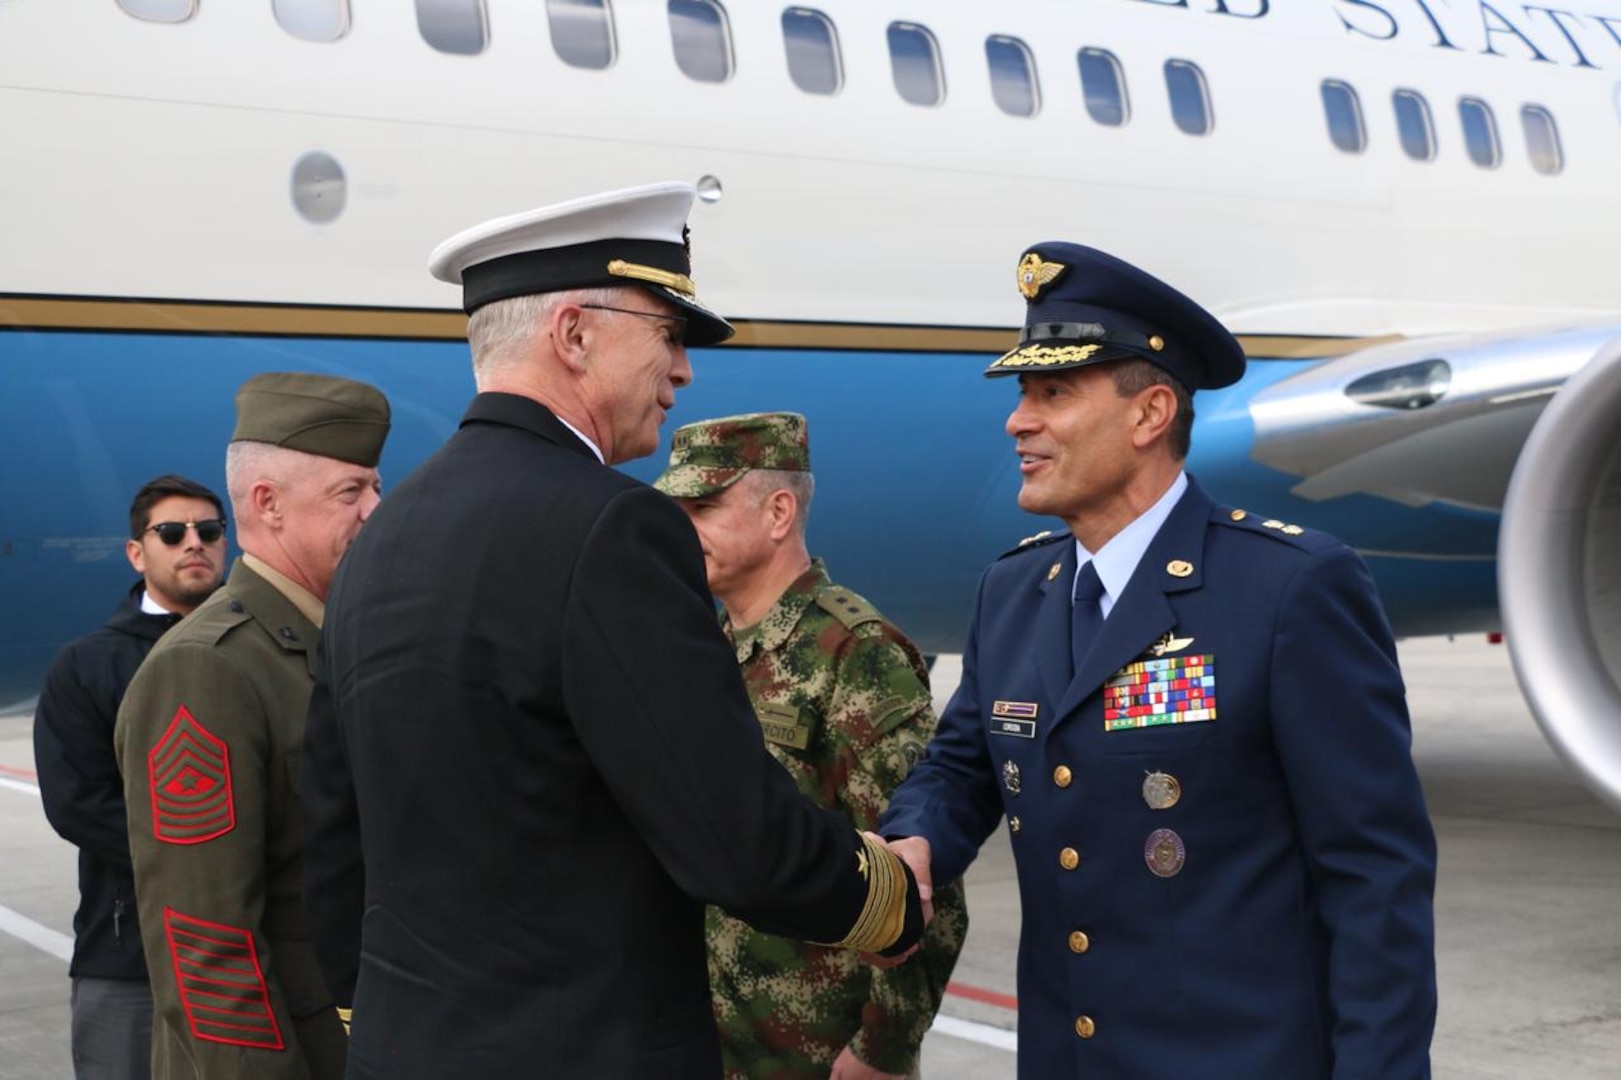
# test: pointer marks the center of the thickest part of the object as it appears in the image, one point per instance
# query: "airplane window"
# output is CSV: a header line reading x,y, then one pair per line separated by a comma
x,y
313,20
1190,96
582,32
914,60
1414,125
813,51
170,11
1480,133
1013,76
1542,140
1411,386
1343,109
1104,85
454,26
702,38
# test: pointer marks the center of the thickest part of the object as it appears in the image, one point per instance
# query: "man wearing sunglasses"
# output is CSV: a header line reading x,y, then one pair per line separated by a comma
x,y
177,545
208,741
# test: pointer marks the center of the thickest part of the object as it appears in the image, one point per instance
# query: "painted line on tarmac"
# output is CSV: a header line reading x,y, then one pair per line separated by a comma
x,y
32,933
979,994
18,774
18,785
984,1034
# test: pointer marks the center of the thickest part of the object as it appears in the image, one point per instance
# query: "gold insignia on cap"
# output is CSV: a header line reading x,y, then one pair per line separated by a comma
x,y
1054,571
1240,515
1156,342
1179,568
1161,791
1036,274
1046,355
681,283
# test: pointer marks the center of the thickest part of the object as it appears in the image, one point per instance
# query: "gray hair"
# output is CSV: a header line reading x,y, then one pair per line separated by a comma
x,y
247,463
499,332
760,483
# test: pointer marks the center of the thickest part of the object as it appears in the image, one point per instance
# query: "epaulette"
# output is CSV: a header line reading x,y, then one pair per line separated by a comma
x,y
1041,539
1294,535
849,608
210,627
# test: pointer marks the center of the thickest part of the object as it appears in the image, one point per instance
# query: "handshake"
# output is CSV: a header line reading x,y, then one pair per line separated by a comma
x,y
914,852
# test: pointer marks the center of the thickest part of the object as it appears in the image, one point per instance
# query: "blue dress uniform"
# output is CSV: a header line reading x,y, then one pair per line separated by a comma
x,y
1225,863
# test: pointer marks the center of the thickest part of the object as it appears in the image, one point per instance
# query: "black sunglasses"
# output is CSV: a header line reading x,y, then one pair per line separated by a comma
x,y
172,532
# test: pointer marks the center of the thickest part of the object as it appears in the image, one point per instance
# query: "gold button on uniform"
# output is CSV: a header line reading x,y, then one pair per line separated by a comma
x,y
1079,942
1084,1027
1069,858
1013,825
1062,776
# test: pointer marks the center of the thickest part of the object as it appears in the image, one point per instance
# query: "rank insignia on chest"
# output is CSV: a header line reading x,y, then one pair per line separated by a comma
x,y
1015,718
1167,690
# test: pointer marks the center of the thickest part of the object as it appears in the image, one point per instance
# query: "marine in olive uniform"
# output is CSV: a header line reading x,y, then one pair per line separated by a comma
x,y
208,741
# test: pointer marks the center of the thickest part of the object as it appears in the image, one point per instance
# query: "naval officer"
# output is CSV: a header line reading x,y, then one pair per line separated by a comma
x,y
531,759
1192,720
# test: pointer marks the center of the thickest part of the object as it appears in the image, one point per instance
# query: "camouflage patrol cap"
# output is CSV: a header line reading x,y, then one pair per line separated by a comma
x,y
712,455
318,414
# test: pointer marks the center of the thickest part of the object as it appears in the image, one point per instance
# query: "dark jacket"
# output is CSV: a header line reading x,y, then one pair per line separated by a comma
x,y
1268,916
527,711
81,788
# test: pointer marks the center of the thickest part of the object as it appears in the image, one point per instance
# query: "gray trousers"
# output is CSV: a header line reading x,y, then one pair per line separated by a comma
x,y
112,1029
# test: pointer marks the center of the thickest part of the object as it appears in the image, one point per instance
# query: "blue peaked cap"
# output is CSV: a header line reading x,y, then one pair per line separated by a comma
x,y
1088,307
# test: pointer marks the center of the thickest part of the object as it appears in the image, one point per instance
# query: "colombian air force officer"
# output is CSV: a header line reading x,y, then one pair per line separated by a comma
x,y
1192,719
531,760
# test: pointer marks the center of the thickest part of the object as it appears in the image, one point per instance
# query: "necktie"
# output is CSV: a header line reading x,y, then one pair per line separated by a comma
x,y
1086,617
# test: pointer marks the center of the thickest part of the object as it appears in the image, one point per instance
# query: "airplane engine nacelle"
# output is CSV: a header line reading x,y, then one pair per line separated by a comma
x,y
1559,571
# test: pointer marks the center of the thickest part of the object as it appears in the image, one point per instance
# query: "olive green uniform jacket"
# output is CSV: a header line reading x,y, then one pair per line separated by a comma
x,y
843,701
208,739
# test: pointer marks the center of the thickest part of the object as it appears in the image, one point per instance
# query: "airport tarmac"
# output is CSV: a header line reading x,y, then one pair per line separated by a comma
x,y
1529,942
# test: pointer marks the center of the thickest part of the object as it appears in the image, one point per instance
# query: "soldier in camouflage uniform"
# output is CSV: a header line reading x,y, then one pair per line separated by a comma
x,y
208,740
843,701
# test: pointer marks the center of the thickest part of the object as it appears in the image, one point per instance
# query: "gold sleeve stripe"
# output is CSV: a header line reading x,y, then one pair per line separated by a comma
x,y
344,1015
883,916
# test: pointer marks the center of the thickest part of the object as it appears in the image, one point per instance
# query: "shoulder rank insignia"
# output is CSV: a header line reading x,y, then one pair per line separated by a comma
x,y
189,772
1036,274
1042,535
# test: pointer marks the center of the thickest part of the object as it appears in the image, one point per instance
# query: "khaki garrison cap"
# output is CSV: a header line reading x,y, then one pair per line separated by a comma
x,y
318,414
712,455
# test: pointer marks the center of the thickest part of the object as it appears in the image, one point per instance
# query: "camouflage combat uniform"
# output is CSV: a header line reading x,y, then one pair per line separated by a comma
x,y
844,704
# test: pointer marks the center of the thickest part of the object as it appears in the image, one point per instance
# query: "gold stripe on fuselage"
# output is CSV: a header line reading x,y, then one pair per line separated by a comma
x,y
108,314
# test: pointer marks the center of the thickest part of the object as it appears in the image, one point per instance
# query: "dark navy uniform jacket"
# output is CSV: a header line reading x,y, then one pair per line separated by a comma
x,y
1293,939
